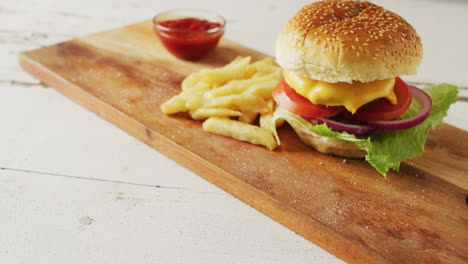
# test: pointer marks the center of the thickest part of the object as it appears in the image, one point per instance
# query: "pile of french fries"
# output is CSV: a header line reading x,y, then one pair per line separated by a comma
x,y
231,99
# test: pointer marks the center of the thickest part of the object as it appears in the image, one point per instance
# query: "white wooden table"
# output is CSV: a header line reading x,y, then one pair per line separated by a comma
x,y
76,189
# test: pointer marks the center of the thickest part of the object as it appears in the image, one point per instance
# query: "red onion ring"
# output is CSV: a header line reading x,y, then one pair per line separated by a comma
x,y
357,130
369,127
422,98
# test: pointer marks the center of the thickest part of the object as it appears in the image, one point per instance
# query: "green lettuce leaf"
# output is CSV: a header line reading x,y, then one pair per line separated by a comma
x,y
387,149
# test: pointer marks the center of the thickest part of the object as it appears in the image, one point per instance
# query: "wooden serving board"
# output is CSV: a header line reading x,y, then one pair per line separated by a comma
x,y
419,214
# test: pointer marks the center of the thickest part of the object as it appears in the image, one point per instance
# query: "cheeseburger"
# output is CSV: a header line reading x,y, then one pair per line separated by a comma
x,y
341,91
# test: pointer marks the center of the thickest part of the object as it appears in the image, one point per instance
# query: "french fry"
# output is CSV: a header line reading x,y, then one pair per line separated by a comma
x,y
178,103
238,69
195,102
239,86
271,105
174,105
263,89
266,119
232,87
265,65
204,113
190,81
248,117
241,131
199,89
241,102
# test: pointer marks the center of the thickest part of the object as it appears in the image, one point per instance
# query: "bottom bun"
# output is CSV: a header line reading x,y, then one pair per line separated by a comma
x,y
328,145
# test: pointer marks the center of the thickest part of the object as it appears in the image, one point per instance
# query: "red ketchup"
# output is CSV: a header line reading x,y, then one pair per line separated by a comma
x,y
189,38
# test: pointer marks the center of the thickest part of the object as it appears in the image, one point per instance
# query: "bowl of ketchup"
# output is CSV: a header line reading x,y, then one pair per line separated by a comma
x,y
189,34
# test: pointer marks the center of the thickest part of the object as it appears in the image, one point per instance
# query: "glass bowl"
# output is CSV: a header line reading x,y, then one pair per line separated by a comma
x,y
189,34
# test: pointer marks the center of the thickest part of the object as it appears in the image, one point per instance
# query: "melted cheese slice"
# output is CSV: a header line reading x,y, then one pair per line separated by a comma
x,y
350,95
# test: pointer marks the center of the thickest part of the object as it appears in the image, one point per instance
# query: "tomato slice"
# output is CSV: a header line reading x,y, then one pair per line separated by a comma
x,y
295,103
385,110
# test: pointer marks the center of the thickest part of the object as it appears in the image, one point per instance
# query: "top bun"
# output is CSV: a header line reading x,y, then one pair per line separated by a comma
x,y
346,41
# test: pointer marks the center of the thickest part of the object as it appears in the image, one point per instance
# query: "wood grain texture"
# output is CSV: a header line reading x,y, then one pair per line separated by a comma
x,y
418,214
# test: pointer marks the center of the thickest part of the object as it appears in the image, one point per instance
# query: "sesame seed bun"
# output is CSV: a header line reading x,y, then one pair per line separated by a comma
x,y
346,41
